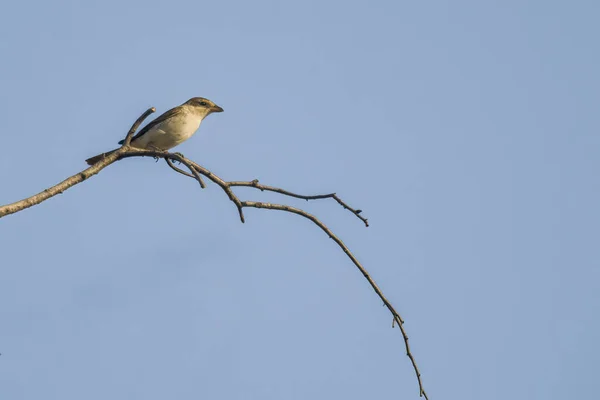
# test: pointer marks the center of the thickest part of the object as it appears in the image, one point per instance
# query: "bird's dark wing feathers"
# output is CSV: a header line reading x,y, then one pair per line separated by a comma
x,y
168,114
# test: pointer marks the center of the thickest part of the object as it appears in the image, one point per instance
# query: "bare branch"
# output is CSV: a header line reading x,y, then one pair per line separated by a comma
x,y
77,178
58,188
280,207
262,187
196,172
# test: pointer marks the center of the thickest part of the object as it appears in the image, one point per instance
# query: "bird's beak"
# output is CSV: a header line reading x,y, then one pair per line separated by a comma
x,y
216,108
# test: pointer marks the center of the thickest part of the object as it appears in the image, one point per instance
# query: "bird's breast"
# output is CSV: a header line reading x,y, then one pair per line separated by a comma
x,y
181,127
168,134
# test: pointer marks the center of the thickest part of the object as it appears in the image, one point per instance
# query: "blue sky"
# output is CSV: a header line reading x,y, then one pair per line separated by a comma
x,y
467,131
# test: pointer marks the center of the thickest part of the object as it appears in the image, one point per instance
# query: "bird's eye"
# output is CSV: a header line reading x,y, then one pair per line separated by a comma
x,y
203,103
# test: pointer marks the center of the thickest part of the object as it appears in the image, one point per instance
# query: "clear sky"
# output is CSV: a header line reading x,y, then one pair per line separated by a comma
x,y
467,131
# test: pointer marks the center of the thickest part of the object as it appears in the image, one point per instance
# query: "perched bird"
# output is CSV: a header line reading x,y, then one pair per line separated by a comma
x,y
171,128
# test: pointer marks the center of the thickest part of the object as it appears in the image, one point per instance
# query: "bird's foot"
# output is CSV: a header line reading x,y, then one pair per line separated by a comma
x,y
180,155
154,148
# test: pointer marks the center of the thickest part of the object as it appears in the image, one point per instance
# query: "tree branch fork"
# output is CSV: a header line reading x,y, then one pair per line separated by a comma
x,y
197,172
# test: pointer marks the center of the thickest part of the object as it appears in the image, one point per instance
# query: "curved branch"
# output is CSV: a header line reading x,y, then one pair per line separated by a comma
x,y
197,170
363,271
280,207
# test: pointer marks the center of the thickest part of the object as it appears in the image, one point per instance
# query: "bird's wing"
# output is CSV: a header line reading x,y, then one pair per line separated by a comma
x,y
168,114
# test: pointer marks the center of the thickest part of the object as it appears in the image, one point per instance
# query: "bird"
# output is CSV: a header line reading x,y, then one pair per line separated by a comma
x,y
169,129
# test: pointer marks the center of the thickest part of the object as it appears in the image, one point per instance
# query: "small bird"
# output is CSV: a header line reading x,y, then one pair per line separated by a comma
x,y
171,128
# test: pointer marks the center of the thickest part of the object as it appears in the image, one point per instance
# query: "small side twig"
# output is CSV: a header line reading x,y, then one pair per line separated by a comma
x,y
136,125
182,172
254,183
194,173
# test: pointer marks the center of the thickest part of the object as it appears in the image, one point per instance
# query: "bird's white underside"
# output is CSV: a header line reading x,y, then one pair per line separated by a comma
x,y
170,133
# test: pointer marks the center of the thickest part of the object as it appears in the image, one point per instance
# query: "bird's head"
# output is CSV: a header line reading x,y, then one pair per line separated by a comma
x,y
204,106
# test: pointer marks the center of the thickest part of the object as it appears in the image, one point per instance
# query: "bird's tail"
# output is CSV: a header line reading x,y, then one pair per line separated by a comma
x,y
95,159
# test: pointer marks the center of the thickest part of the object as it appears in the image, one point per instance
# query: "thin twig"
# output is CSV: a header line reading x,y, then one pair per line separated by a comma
x,y
170,163
194,173
262,187
136,125
200,169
